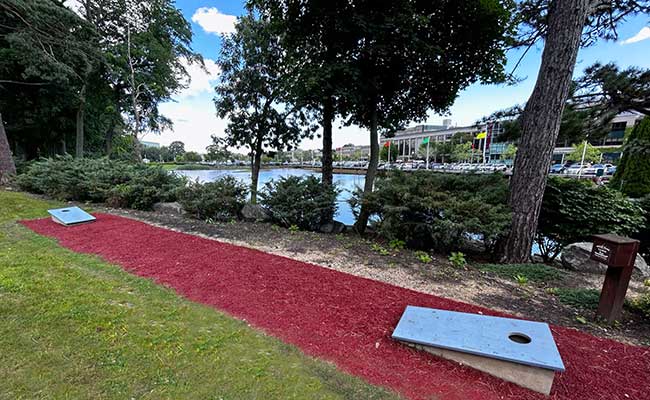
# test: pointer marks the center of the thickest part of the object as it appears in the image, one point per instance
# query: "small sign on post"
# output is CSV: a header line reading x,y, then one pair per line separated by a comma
x,y
619,254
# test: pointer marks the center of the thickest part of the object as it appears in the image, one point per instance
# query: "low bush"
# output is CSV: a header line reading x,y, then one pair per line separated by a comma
x,y
573,210
438,211
221,200
300,201
643,235
641,304
118,183
580,298
534,272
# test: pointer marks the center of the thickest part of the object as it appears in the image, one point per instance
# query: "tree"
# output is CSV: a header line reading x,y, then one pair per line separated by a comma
x,y
462,152
251,95
633,173
383,154
318,41
218,150
152,153
510,152
46,51
7,166
148,44
192,156
563,24
445,149
415,56
592,154
176,149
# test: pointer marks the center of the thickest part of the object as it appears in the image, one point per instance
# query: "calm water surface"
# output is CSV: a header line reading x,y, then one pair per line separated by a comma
x,y
347,183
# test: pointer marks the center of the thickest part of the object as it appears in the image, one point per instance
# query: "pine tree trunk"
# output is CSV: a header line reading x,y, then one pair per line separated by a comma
x,y
364,214
541,124
328,116
255,170
7,166
79,145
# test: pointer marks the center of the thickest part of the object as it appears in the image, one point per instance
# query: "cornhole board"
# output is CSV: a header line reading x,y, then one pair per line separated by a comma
x,y
69,216
518,351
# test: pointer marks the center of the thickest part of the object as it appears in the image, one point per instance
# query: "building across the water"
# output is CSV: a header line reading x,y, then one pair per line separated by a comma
x,y
409,140
144,143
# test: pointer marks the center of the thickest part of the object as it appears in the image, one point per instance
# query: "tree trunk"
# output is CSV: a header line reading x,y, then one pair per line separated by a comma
x,y
7,166
109,141
364,214
541,124
79,149
255,170
328,116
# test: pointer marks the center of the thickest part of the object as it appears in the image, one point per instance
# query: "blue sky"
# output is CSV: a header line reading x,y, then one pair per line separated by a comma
x,y
193,111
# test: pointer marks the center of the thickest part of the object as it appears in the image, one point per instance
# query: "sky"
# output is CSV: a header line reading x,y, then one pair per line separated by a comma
x,y
193,114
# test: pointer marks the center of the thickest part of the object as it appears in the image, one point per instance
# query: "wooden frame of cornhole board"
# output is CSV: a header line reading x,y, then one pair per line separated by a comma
x,y
518,351
69,216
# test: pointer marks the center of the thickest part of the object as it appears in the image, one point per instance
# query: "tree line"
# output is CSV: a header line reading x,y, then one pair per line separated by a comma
x,y
86,82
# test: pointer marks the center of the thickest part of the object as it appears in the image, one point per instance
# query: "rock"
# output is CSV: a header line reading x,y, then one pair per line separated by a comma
x,y
173,208
334,227
254,212
576,257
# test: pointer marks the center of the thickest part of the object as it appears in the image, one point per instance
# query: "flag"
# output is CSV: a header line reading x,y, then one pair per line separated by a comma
x,y
425,140
481,135
387,144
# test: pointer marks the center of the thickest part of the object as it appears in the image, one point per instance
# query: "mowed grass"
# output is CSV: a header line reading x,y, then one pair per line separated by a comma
x,y
75,327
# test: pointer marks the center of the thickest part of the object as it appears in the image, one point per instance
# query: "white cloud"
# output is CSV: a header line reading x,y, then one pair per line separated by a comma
x,y
75,5
643,34
194,119
200,80
213,21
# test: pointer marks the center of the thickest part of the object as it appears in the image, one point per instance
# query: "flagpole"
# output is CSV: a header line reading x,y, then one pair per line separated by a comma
x,y
427,164
389,143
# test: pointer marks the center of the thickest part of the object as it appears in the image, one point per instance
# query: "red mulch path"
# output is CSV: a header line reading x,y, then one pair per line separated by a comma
x,y
340,317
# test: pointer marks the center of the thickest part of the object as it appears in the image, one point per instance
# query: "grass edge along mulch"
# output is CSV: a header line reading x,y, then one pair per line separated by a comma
x,y
340,317
74,326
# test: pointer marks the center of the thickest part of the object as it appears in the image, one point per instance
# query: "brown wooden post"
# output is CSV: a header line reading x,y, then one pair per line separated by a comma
x,y
619,254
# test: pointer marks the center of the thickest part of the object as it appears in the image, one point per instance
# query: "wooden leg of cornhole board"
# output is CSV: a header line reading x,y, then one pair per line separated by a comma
x,y
533,378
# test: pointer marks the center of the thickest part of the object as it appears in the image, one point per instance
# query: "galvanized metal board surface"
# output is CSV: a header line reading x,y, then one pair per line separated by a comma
x,y
70,215
494,337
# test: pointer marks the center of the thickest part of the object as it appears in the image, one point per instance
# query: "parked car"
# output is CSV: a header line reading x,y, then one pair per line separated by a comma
x,y
611,170
576,169
593,170
557,168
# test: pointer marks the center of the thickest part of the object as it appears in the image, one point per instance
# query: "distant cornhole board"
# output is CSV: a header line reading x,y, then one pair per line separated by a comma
x,y
521,352
70,216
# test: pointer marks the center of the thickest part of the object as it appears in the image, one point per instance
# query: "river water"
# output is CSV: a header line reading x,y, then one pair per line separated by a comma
x,y
347,183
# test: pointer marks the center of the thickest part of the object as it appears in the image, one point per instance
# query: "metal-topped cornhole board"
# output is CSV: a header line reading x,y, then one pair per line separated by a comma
x,y
70,216
518,351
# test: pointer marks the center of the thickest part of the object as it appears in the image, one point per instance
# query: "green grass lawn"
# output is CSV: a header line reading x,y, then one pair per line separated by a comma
x,y
75,327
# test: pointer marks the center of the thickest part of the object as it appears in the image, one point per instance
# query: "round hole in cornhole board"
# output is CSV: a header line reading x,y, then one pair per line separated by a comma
x,y
65,210
519,338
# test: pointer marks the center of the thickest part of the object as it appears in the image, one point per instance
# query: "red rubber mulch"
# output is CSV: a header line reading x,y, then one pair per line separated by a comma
x,y
339,317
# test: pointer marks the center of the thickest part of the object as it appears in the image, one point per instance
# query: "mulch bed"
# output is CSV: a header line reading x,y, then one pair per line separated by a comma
x,y
340,317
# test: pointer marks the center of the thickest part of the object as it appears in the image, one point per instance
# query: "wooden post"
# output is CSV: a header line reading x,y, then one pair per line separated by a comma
x,y
619,253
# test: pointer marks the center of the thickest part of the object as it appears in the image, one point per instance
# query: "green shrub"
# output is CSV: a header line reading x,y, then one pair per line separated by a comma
x,y
424,257
534,272
300,201
457,259
633,173
573,210
641,304
118,183
643,235
145,187
221,200
579,298
438,211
